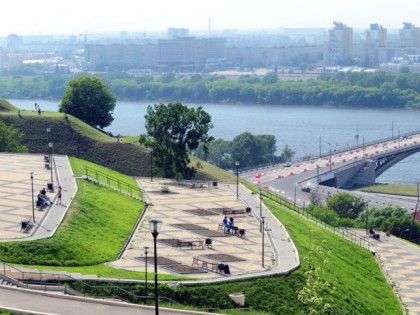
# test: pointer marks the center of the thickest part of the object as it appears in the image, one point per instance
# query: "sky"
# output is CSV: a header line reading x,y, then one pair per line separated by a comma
x,y
28,17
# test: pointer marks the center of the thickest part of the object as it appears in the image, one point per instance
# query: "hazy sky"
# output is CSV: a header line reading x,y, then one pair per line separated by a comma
x,y
93,16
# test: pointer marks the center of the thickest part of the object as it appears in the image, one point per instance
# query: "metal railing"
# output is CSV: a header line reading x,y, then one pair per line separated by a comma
x,y
57,282
305,213
113,182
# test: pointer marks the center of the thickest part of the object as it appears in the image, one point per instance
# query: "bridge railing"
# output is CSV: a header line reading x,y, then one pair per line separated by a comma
x,y
335,151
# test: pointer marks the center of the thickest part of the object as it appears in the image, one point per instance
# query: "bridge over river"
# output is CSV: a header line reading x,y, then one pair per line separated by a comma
x,y
336,170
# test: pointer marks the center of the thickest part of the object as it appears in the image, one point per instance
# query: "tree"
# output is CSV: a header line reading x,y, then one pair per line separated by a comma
x,y
88,99
287,153
174,129
10,139
346,205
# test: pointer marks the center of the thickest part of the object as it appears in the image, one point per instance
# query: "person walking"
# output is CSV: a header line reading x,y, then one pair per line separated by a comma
x,y
59,192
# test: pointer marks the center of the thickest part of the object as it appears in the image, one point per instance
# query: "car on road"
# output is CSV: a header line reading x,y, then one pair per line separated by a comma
x,y
287,164
306,189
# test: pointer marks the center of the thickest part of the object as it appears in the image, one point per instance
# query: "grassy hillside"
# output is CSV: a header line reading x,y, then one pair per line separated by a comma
x,y
75,138
5,106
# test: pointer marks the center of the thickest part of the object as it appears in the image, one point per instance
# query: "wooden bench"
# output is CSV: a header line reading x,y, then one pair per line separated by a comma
x,y
190,243
234,212
25,224
205,263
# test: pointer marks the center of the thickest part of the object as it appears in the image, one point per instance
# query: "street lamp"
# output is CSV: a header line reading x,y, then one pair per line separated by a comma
x,y
48,135
260,209
263,229
154,229
356,136
367,215
329,144
237,179
151,165
145,281
50,145
33,202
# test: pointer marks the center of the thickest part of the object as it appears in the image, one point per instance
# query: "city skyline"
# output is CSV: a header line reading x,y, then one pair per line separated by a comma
x,y
77,17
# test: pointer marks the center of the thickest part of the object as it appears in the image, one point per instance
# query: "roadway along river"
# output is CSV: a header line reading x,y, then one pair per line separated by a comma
x,y
300,127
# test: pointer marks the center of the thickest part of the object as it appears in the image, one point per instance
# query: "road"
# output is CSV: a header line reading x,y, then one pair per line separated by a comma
x,y
288,181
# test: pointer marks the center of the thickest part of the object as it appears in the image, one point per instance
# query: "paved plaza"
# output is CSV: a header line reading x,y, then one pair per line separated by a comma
x,y
181,221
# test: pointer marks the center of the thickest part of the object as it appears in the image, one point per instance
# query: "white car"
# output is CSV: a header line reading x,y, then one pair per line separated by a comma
x,y
287,164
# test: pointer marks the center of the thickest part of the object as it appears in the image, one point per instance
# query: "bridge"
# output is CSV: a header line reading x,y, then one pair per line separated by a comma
x,y
345,169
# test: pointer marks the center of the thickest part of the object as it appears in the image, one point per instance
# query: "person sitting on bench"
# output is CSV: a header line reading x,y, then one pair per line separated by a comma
x,y
43,199
230,226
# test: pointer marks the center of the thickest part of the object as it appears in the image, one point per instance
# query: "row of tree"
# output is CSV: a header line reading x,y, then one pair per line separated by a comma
x,y
247,149
377,89
344,209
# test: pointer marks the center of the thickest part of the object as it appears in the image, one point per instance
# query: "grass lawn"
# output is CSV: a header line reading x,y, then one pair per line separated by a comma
x,y
392,189
79,169
95,229
361,287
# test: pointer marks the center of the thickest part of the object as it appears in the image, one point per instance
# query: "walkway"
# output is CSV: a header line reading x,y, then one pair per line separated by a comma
x,y
402,262
16,194
48,303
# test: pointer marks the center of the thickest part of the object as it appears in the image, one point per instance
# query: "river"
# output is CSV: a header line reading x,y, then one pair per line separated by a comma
x,y
300,127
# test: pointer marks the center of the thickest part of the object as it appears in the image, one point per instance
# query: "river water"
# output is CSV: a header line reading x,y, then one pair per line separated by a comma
x,y
302,128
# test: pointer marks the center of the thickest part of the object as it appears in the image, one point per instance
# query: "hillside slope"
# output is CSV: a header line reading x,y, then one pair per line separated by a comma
x,y
75,138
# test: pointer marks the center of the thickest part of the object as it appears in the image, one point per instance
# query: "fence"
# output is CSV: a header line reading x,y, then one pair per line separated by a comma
x,y
305,213
113,182
58,282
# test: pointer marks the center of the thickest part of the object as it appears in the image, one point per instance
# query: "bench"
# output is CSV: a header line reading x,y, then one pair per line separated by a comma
x,y
206,263
190,243
234,212
25,224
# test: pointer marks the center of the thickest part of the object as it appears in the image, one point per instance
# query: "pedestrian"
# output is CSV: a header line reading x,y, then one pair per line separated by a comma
x,y
19,114
59,192
39,110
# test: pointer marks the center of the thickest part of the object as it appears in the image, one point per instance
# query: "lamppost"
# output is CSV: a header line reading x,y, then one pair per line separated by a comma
x,y
367,215
154,229
151,165
237,179
260,209
50,145
263,229
33,202
329,144
48,134
356,136
145,281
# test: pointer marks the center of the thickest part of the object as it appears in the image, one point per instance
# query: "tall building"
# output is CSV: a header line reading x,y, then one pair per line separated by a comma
x,y
121,57
410,36
374,45
177,32
14,42
339,46
190,50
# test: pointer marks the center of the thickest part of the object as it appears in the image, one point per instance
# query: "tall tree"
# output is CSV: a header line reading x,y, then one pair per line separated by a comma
x,y
346,205
88,99
10,139
173,130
